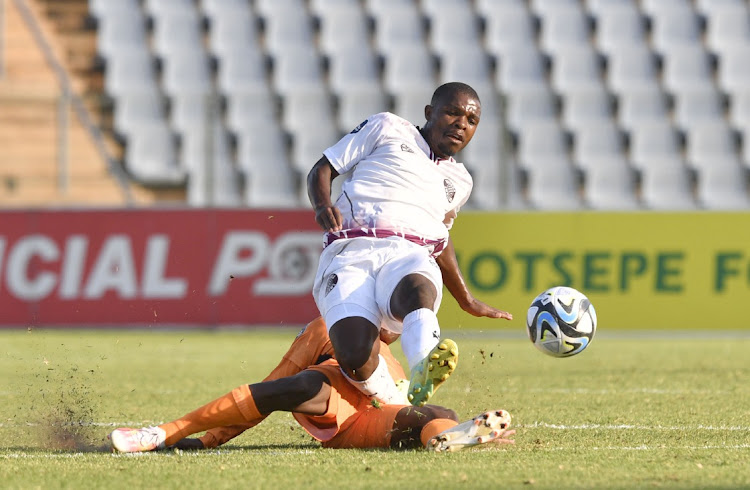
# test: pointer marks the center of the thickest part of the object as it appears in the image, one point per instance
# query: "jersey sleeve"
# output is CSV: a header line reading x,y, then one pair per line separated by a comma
x,y
356,145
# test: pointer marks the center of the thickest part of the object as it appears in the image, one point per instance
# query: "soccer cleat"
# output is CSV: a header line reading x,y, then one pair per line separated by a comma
x,y
137,440
482,429
432,371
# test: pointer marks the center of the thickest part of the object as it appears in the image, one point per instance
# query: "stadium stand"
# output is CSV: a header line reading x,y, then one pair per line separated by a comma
x,y
587,104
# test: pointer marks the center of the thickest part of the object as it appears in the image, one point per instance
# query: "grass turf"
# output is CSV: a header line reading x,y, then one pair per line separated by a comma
x,y
633,411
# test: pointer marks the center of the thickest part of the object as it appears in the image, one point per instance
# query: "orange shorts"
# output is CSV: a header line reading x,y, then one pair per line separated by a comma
x,y
352,420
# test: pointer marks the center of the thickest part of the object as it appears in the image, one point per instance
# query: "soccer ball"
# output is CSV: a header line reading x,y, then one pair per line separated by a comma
x,y
561,322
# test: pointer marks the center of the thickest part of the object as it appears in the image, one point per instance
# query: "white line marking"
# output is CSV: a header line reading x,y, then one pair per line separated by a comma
x,y
545,425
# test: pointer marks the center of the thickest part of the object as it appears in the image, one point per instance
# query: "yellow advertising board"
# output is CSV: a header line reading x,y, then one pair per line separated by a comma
x,y
640,270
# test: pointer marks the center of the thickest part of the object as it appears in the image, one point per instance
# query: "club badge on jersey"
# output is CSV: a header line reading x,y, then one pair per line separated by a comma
x,y
358,128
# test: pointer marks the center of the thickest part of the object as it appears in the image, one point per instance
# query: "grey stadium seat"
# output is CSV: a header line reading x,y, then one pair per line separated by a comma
x,y
734,70
710,142
536,104
453,26
584,108
621,25
739,110
728,27
609,184
540,142
666,185
697,107
213,178
553,186
151,156
675,29
132,72
507,28
412,67
723,185
298,69
687,68
135,110
231,33
639,107
482,158
242,70
654,142
577,69
632,68
564,28
356,105
520,69
599,141
344,27
401,24
189,72
353,68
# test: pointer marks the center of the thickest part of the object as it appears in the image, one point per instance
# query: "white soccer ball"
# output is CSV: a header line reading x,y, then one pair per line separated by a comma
x,y
561,322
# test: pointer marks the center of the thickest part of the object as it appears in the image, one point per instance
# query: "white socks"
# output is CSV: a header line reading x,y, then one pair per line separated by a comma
x,y
380,385
420,335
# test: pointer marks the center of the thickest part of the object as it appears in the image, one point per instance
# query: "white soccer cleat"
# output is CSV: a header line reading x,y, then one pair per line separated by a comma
x,y
137,440
432,371
484,428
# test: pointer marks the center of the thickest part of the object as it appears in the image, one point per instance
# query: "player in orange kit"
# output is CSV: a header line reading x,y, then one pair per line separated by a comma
x,y
309,383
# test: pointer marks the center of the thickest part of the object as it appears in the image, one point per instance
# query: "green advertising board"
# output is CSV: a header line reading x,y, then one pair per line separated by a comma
x,y
640,270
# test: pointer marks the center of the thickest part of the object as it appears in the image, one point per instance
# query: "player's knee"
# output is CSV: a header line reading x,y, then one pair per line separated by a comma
x,y
355,357
413,292
437,412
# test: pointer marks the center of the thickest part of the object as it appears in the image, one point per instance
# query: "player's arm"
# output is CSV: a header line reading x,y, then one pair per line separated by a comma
x,y
454,282
319,181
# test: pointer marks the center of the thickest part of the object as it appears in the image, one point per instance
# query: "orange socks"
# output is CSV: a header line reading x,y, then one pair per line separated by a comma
x,y
435,427
235,408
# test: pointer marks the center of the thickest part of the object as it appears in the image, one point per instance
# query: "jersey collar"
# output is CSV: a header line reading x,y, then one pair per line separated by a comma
x,y
431,154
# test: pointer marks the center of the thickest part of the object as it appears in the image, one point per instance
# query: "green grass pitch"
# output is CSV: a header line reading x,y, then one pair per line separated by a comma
x,y
667,410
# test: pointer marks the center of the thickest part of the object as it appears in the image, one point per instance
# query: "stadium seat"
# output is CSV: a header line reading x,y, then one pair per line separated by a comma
x,y
609,184
121,35
632,68
540,142
213,178
179,32
687,68
586,108
673,29
709,142
619,25
598,141
564,28
298,69
355,67
269,179
727,27
654,142
412,67
308,146
666,185
114,9
733,73
344,27
482,157
554,186
397,25
709,8
193,111
723,185
739,109
307,111
233,32
251,109
188,72
520,69
410,103
472,67
530,106
508,28
135,110
451,27
158,9
357,104
132,72
597,8
639,107
577,69
151,156
287,28
666,8
220,9
242,70
697,107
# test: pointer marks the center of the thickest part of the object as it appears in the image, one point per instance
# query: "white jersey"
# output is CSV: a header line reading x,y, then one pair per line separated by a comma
x,y
395,182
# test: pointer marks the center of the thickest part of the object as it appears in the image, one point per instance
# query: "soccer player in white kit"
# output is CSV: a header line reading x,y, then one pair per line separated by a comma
x,y
387,245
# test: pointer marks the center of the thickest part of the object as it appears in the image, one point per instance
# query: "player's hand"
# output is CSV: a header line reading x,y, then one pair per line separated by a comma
x,y
188,443
329,218
478,308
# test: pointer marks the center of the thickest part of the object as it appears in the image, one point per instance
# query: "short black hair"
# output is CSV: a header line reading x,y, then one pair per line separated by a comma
x,y
450,88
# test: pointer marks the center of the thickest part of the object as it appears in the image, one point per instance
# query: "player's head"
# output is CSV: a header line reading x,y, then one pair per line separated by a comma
x,y
452,117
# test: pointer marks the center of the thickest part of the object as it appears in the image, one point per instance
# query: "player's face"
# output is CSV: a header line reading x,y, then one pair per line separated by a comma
x,y
451,123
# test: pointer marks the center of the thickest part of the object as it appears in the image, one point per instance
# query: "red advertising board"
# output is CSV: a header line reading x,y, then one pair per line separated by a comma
x,y
157,267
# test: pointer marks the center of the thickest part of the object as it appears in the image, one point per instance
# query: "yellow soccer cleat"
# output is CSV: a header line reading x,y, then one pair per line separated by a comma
x,y
484,428
432,371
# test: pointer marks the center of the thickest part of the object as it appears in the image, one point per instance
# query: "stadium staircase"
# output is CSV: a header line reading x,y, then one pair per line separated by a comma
x,y
31,144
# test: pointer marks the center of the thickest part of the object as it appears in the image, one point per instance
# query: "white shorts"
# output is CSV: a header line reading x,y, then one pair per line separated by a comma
x,y
357,276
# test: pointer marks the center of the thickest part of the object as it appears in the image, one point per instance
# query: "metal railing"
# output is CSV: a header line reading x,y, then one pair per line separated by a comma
x,y
68,99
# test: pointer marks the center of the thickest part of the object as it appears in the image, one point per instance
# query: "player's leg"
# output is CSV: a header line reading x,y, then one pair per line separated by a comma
x,y
486,427
311,346
307,392
414,426
410,290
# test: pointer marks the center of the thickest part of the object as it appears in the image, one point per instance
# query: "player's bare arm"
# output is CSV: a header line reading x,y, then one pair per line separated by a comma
x,y
456,285
319,181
